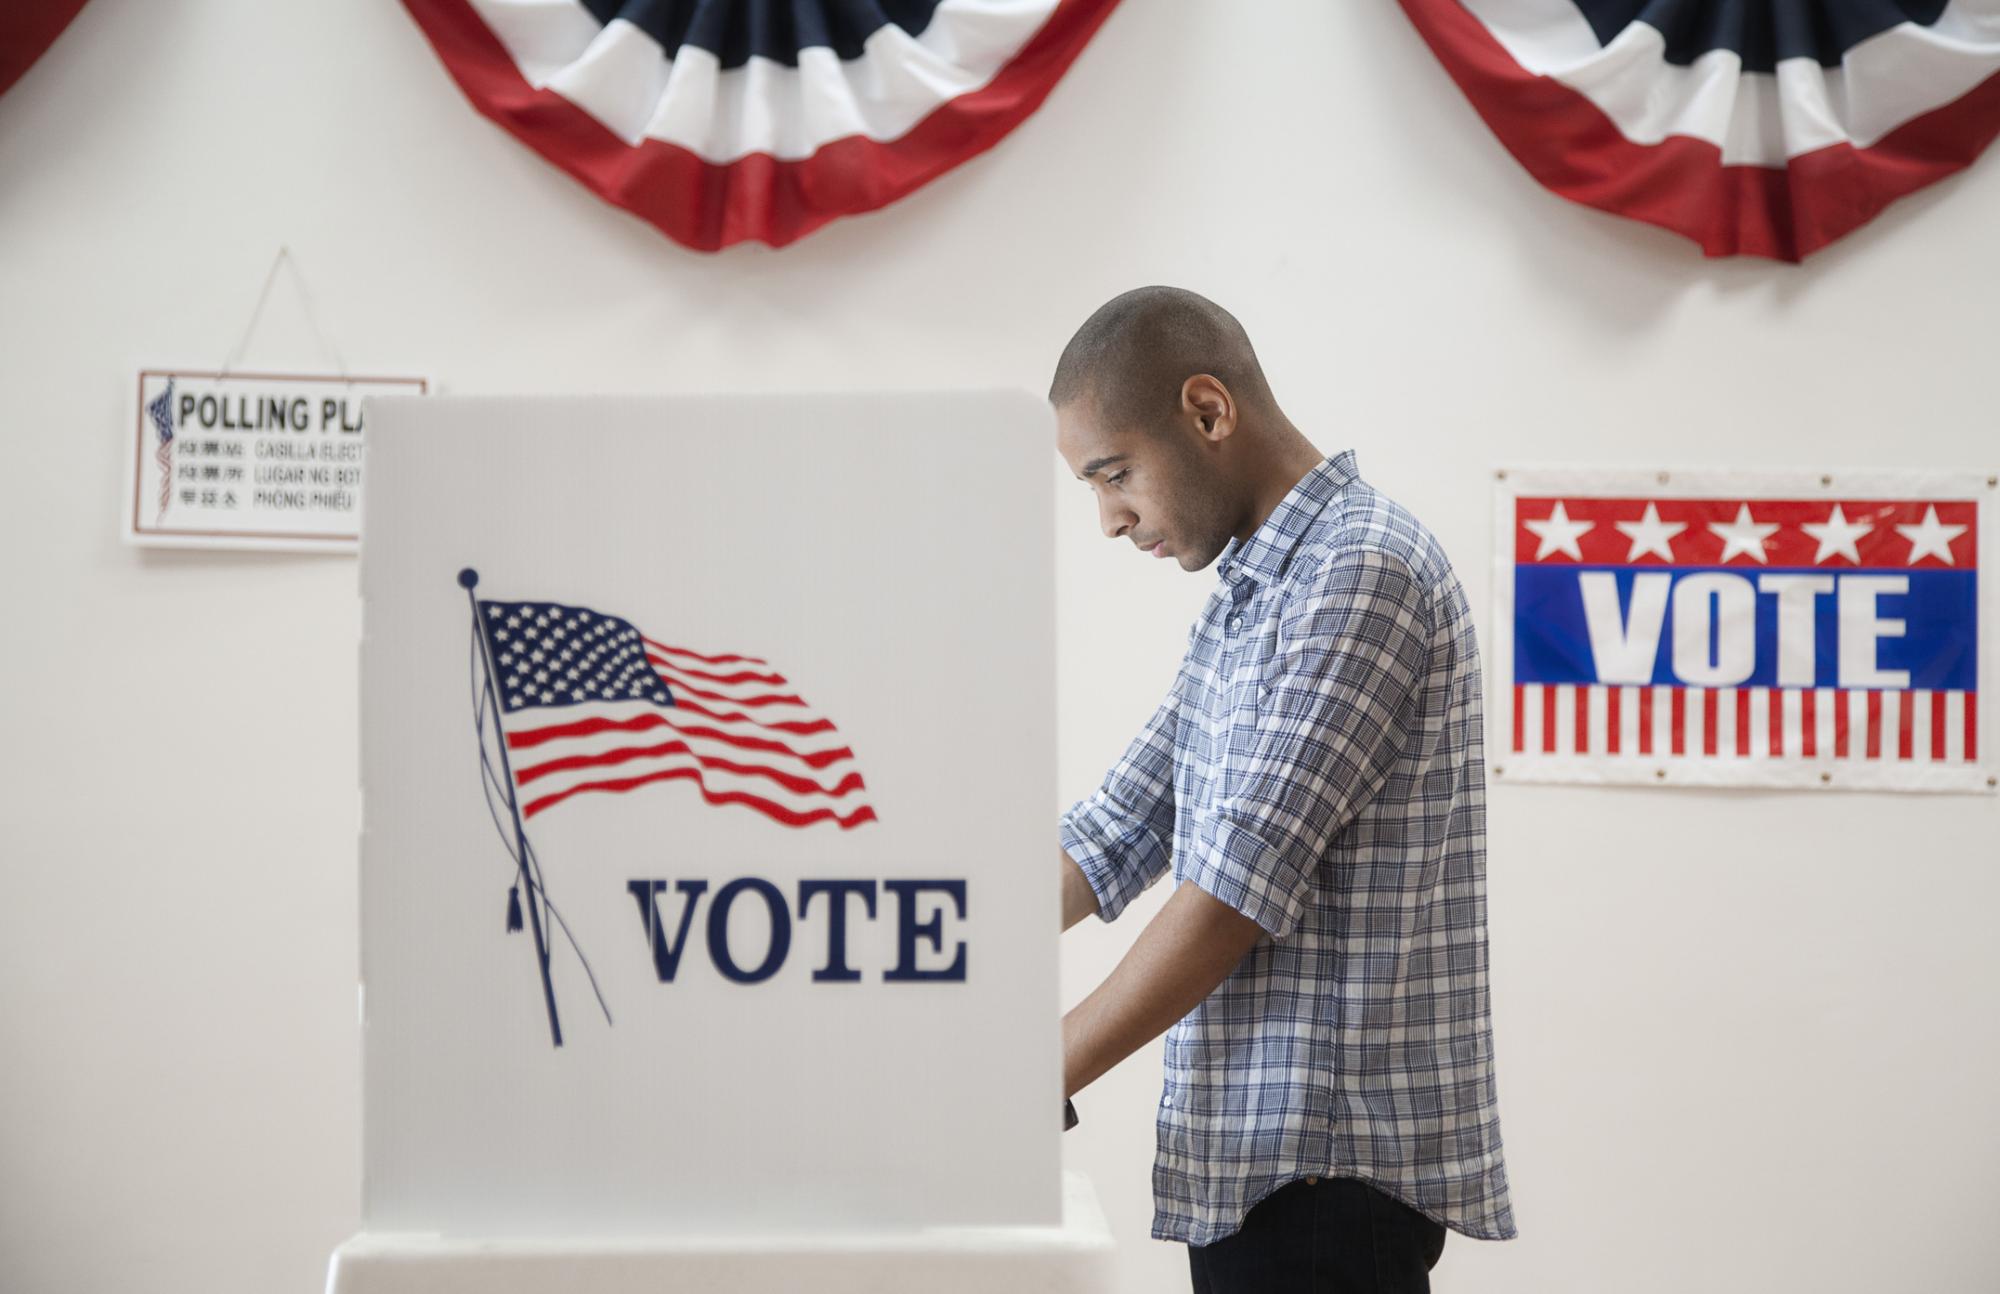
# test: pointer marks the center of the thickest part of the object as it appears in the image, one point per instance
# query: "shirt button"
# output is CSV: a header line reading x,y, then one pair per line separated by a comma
x,y
1168,1099
1235,623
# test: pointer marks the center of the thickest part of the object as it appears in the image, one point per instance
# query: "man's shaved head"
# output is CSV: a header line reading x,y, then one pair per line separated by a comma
x,y
1130,358
1163,411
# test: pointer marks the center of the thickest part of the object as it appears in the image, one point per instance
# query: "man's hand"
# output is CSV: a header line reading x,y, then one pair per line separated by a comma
x,y
1178,960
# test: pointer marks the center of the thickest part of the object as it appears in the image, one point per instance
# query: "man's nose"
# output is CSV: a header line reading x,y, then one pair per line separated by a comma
x,y
1115,519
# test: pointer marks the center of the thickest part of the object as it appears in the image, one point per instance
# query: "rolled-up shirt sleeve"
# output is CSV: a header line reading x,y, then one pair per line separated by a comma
x,y
1121,834
1354,649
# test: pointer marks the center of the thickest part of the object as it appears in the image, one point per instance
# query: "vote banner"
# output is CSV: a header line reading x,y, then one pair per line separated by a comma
x,y
1744,629
707,749
249,460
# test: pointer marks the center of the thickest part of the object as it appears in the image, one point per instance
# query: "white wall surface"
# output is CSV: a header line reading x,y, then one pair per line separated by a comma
x,y
1746,1042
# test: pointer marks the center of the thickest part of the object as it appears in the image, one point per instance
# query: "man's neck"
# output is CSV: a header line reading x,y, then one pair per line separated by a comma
x,y
1288,467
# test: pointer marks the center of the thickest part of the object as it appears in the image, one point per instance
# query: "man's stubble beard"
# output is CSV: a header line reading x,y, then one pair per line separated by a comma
x,y
1207,517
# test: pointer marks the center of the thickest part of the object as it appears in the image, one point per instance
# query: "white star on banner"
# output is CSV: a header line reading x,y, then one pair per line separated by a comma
x,y
1931,538
1743,535
1649,534
1837,536
1559,534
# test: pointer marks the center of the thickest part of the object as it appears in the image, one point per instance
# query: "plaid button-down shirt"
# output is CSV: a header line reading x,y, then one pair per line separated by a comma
x,y
1318,766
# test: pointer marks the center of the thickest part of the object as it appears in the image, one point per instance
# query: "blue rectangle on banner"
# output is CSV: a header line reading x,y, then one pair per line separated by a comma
x,y
1703,626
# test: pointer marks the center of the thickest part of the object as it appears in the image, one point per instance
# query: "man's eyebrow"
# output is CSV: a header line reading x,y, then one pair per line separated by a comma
x,y
1090,468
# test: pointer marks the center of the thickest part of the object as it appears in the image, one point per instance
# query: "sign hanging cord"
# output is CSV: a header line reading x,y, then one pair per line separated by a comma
x,y
285,258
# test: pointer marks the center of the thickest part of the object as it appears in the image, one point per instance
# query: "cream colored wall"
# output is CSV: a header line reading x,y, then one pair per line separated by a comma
x,y
1745,1042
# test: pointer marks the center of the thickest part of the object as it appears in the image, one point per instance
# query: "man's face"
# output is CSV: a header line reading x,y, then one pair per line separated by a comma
x,y
1156,490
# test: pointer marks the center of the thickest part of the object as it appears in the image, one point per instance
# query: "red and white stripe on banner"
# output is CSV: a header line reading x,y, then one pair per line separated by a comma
x,y
1806,726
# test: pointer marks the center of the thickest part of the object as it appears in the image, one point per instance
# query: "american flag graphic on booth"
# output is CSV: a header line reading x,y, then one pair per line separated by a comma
x,y
589,703
1799,639
569,701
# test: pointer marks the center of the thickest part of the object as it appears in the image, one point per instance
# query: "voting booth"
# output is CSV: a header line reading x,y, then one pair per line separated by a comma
x,y
707,934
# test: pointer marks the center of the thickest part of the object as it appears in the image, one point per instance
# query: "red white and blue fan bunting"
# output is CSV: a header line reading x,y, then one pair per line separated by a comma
x,y
1754,127
27,29
722,121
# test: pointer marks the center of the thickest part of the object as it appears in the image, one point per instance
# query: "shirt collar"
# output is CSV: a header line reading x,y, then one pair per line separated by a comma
x,y
1264,556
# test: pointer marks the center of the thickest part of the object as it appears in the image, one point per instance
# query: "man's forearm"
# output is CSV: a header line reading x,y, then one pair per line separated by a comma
x,y
1078,899
1178,959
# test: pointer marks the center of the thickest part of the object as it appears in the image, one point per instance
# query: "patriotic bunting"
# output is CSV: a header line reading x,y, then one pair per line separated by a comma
x,y
1754,128
27,29
720,121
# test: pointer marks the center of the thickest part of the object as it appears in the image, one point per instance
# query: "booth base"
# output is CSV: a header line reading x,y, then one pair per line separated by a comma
x,y
1074,1258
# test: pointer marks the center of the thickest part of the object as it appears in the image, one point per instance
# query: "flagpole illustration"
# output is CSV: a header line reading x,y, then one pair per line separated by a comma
x,y
469,579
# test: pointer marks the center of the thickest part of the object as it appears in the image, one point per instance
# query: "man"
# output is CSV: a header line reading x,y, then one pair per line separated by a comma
x,y
1315,779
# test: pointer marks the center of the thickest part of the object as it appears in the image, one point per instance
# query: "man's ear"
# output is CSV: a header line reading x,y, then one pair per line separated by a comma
x,y
1206,402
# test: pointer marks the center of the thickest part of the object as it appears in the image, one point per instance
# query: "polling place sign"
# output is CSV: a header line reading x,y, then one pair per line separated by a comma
x,y
1822,630
707,755
249,460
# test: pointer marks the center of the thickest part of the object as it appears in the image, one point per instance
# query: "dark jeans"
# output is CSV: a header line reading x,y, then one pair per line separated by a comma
x,y
1332,1235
